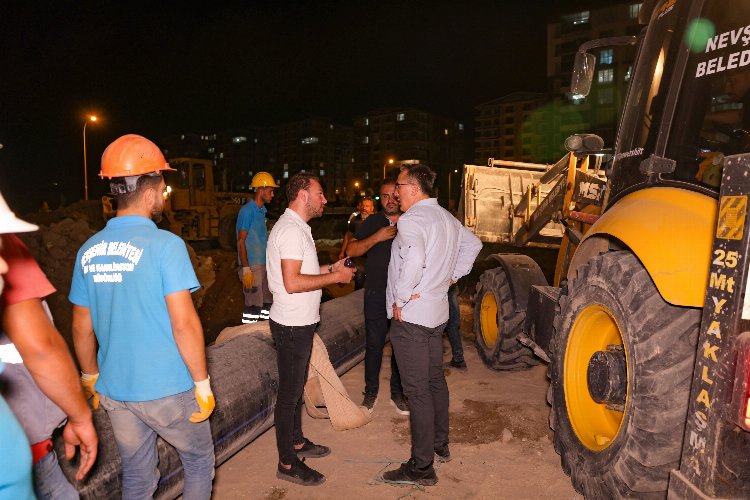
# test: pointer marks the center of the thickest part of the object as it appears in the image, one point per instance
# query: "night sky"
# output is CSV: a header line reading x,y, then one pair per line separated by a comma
x,y
175,67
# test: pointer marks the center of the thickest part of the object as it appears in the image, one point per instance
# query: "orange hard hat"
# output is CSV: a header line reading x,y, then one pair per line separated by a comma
x,y
132,155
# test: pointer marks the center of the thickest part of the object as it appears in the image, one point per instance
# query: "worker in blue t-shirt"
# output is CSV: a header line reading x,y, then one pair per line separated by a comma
x,y
137,335
251,249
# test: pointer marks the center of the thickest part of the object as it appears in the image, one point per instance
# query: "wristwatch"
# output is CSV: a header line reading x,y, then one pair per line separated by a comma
x,y
330,268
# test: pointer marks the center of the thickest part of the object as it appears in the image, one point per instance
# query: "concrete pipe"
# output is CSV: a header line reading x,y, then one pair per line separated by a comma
x,y
245,381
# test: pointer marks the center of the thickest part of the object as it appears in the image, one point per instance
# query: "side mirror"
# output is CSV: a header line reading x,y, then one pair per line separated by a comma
x,y
583,74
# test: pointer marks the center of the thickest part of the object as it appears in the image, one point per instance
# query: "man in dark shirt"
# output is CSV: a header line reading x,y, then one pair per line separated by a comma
x,y
366,207
374,237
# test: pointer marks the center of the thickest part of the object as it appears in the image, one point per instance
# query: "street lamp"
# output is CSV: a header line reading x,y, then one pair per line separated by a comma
x,y
455,171
91,118
390,162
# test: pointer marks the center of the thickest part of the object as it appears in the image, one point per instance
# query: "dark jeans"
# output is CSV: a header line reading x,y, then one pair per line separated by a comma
x,y
453,327
293,348
419,352
376,330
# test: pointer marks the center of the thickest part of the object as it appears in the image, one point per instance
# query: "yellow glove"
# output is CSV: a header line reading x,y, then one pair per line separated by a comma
x,y
88,381
247,277
205,399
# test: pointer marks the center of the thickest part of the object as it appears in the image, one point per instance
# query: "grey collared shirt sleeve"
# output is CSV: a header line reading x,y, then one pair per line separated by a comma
x,y
469,247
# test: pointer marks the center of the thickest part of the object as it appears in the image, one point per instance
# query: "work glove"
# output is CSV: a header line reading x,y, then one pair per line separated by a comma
x,y
247,278
205,399
88,381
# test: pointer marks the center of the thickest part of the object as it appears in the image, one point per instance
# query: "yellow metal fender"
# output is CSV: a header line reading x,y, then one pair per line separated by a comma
x,y
670,230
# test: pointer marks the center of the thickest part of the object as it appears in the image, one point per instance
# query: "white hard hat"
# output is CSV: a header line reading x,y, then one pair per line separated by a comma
x,y
9,223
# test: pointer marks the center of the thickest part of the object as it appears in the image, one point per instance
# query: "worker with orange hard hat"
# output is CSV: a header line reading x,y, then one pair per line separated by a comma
x,y
251,249
137,335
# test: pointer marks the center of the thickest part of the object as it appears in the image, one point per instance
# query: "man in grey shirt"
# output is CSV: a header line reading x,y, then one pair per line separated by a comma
x,y
431,251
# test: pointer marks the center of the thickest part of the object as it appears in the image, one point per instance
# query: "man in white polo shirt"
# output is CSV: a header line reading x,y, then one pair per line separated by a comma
x,y
295,279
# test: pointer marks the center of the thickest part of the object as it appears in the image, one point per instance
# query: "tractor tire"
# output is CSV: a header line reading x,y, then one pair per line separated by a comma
x,y
626,445
228,232
497,324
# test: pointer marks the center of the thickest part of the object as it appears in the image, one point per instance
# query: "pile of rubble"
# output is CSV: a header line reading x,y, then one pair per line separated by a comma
x,y
61,233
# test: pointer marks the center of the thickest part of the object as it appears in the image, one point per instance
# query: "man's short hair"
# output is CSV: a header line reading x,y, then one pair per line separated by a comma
x,y
390,181
121,188
422,174
298,182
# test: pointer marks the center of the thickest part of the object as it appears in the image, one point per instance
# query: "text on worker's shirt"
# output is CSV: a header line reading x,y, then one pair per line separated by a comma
x,y
110,272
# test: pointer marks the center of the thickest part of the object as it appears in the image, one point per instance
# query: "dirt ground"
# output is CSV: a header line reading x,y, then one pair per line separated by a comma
x,y
500,442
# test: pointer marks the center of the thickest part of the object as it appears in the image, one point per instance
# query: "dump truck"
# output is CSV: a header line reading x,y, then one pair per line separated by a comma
x,y
646,326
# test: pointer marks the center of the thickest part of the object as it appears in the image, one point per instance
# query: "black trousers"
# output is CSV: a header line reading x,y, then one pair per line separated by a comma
x,y
293,348
419,352
376,331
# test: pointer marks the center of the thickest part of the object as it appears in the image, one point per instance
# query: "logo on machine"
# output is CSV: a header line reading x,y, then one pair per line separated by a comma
x,y
628,154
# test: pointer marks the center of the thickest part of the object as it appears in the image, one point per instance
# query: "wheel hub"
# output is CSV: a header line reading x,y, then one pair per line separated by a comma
x,y
595,345
488,319
607,377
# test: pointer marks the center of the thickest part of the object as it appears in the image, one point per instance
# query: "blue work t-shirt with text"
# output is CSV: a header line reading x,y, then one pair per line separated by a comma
x,y
122,274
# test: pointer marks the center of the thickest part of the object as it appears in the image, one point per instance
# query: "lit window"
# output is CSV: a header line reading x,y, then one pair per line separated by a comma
x,y
605,75
365,121
635,9
366,140
309,140
605,56
221,155
577,18
628,73
211,150
182,137
322,172
460,126
286,174
255,140
330,126
239,139
367,175
400,117
606,96
445,131
286,166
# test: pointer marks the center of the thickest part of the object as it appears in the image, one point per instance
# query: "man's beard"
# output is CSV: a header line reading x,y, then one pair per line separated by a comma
x,y
157,214
393,211
312,212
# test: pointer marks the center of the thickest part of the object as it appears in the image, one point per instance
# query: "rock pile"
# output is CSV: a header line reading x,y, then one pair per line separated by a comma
x,y
61,233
